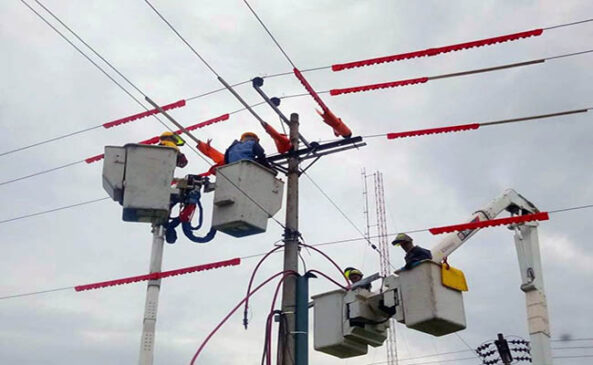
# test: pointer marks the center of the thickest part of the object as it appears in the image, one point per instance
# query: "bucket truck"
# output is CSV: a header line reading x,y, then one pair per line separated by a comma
x,y
347,321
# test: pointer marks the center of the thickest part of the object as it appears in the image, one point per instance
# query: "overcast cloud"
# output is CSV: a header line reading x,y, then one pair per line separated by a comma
x,y
49,90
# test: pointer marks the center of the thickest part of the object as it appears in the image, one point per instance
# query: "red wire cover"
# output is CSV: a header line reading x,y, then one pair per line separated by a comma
x,y
384,85
203,124
155,140
423,132
94,158
159,275
281,141
542,216
177,104
310,90
439,50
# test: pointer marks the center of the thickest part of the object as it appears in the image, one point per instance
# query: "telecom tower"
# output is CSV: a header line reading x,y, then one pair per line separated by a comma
x,y
383,248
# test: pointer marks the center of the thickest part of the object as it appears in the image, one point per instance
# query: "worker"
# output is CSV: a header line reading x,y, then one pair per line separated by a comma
x,y
170,139
414,254
355,275
248,148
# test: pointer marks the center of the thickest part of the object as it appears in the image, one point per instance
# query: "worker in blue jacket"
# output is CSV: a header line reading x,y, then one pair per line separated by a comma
x,y
248,148
414,254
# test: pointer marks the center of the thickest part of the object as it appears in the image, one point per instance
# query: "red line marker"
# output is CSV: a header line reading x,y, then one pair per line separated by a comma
x,y
423,132
94,158
384,85
159,275
155,140
206,123
310,90
131,118
439,50
542,216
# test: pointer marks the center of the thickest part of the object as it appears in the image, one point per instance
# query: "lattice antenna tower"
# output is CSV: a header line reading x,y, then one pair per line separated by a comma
x,y
385,263
365,210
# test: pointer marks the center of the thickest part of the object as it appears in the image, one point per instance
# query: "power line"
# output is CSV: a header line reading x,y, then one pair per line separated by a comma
x,y
467,345
50,140
343,214
568,24
99,67
262,254
307,175
428,362
423,356
40,172
89,47
569,209
434,51
181,37
270,34
88,58
77,162
572,339
463,73
473,126
53,210
80,51
140,103
36,292
425,79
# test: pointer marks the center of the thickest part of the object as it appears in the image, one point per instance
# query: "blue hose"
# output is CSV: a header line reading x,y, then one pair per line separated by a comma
x,y
188,230
189,233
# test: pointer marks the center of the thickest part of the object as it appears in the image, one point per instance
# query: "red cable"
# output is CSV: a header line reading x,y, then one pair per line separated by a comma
x,y
542,216
330,279
422,132
231,313
269,322
330,260
251,281
131,118
439,50
159,275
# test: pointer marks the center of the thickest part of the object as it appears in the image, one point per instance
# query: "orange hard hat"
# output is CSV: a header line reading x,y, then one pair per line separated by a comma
x,y
249,134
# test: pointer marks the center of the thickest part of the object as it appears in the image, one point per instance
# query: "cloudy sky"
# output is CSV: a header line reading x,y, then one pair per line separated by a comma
x,y
50,90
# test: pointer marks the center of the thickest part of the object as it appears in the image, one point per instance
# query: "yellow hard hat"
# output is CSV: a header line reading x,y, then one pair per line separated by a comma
x,y
168,144
172,137
249,134
352,271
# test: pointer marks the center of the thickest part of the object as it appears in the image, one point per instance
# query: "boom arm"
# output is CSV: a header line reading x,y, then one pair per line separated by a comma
x,y
527,245
509,200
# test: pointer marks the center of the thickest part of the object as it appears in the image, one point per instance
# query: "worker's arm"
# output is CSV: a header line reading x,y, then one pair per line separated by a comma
x,y
260,155
181,160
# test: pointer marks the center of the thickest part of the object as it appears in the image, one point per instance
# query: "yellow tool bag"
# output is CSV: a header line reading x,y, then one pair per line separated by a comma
x,y
453,278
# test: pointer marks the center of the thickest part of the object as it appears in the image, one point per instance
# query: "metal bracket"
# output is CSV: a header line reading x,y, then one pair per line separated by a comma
x,y
315,150
257,83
